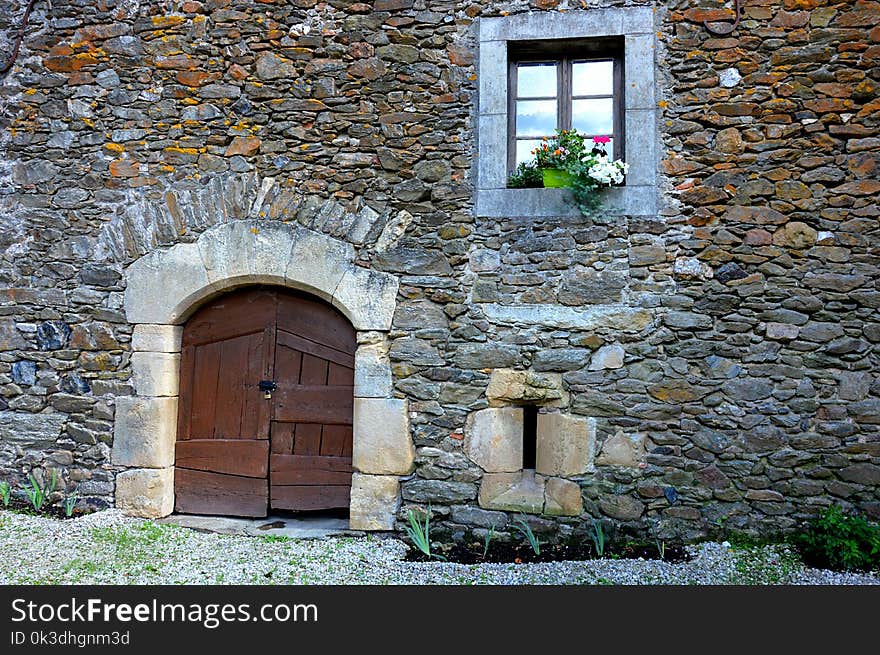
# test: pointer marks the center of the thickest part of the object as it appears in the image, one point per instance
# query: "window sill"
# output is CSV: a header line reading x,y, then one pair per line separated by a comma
x,y
544,203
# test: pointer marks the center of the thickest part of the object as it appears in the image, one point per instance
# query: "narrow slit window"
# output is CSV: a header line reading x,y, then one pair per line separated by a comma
x,y
530,437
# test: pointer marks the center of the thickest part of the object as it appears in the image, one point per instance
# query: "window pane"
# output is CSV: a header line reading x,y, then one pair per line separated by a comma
x,y
595,117
524,150
535,117
593,78
536,80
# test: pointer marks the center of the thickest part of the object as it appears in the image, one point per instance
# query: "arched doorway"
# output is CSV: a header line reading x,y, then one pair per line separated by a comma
x,y
266,404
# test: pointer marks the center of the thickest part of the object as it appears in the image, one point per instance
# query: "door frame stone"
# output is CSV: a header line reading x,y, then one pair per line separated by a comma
x,y
166,286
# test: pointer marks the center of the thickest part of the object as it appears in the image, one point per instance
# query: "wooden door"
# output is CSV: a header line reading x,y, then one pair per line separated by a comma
x,y
310,463
221,457
226,462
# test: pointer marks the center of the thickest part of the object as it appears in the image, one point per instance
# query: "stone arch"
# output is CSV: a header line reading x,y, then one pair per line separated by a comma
x,y
164,287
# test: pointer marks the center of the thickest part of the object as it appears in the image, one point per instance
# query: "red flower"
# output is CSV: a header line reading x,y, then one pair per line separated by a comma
x,y
601,139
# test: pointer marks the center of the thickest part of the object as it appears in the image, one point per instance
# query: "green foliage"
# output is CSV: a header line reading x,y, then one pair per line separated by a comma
x,y
589,165
69,504
5,492
840,541
564,148
38,493
419,531
526,176
598,536
490,533
763,565
526,531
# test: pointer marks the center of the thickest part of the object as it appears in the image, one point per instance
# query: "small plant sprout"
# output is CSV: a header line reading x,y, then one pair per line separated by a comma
x,y
37,493
490,533
661,548
526,531
5,492
598,537
69,504
420,533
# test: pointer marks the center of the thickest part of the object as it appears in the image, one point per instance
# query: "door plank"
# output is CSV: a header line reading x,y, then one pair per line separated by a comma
x,y
339,375
256,408
231,389
201,492
308,439
184,405
230,316
311,403
243,457
282,436
313,371
334,438
295,342
316,321
303,498
206,372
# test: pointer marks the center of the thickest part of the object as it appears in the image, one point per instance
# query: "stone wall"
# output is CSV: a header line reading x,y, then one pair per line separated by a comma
x,y
726,347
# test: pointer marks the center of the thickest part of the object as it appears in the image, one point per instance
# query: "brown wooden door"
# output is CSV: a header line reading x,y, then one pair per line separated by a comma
x,y
310,463
223,463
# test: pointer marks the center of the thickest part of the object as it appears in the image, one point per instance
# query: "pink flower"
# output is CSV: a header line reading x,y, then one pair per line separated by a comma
x,y
601,139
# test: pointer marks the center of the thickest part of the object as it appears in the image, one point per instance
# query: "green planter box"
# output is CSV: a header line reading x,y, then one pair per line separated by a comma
x,y
555,178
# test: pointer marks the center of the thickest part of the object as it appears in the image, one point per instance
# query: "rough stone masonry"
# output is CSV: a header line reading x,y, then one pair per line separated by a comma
x,y
715,364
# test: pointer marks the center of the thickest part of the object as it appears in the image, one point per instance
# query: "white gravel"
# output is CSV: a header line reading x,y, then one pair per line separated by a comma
x,y
109,548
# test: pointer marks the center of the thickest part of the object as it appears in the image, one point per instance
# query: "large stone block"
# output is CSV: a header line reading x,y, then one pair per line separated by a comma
x,y
442,492
155,374
623,450
257,250
374,502
145,431
565,444
148,493
562,498
513,492
162,285
509,386
595,317
156,338
318,262
372,370
493,439
31,430
368,298
382,443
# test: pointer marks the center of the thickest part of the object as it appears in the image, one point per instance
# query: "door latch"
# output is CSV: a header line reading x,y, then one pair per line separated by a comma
x,y
267,387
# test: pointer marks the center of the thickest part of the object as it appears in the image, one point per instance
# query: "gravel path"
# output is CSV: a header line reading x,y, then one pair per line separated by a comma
x,y
109,548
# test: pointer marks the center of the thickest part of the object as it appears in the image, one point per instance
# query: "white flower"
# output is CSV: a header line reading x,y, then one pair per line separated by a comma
x,y
606,172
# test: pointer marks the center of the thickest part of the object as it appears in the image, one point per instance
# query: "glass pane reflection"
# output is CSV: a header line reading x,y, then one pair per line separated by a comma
x,y
593,78
535,117
536,80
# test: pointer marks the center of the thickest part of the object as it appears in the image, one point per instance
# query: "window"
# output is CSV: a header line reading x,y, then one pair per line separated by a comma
x,y
530,437
521,57
564,85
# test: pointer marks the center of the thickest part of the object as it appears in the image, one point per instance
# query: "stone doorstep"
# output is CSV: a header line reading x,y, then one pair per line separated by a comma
x,y
317,527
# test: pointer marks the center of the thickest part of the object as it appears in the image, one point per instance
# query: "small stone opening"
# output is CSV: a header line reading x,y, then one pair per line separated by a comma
x,y
530,437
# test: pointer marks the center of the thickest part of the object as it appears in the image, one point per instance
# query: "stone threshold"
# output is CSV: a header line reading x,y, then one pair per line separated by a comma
x,y
315,527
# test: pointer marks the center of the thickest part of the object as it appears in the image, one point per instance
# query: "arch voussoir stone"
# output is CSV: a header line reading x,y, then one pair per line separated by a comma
x,y
164,287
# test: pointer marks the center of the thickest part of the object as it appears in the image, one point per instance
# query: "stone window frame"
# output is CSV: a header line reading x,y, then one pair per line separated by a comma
x,y
566,445
638,197
166,286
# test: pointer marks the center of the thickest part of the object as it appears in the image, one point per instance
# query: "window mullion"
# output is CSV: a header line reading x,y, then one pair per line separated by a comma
x,y
512,93
564,94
